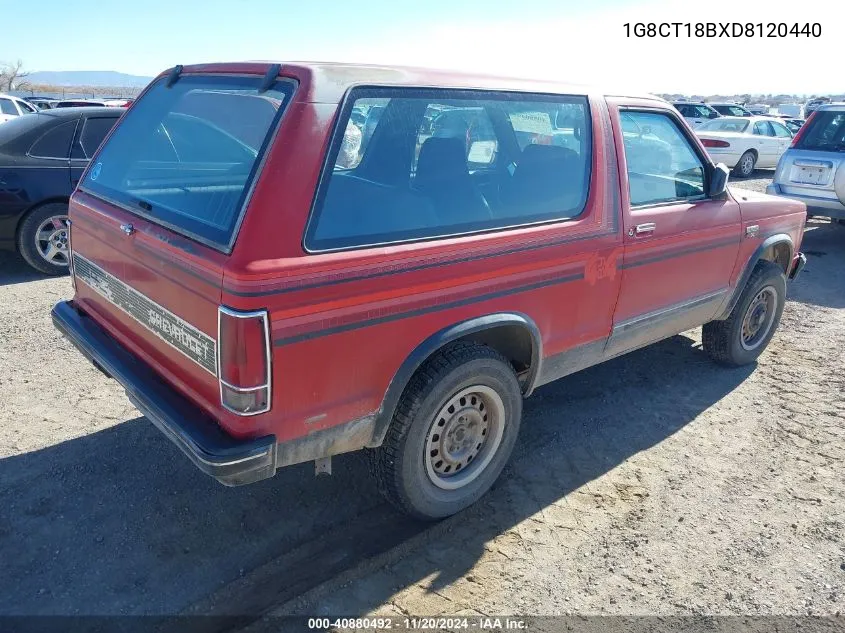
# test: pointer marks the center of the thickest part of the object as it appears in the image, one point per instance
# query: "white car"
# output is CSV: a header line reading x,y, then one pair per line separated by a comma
x,y
744,143
12,107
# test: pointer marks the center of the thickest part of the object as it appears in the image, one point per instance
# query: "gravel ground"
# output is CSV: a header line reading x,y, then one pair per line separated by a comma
x,y
656,483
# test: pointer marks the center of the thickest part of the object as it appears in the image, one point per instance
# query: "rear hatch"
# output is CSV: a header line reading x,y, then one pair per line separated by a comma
x,y
157,213
815,165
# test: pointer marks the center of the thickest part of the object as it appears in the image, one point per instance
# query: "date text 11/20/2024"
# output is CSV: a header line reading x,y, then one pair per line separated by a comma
x,y
722,29
483,623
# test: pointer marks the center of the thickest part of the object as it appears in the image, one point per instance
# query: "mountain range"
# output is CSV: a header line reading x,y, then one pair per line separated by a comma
x,y
96,78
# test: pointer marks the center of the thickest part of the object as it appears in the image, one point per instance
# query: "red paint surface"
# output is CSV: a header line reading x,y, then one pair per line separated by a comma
x,y
339,377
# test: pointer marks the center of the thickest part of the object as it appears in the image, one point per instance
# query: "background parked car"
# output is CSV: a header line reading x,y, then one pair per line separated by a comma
x,y
42,157
13,107
42,103
696,113
813,104
80,103
813,169
792,124
730,109
744,143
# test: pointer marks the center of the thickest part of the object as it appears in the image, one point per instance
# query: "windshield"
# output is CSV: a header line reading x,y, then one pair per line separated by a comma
x,y
825,131
731,110
185,156
724,125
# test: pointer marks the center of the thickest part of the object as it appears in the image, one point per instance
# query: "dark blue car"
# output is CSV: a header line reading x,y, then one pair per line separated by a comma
x,y
42,157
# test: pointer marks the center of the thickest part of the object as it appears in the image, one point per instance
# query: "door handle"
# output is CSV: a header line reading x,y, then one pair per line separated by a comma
x,y
648,227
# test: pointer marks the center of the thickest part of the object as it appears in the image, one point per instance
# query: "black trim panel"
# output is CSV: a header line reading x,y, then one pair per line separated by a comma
x,y
297,338
437,340
645,260
411,269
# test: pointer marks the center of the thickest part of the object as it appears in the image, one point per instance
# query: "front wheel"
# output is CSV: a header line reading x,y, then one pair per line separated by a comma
x,y
453,431
43,239
742,337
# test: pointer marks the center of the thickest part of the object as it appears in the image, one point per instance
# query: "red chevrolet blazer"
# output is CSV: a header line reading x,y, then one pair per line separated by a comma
x,y
284,262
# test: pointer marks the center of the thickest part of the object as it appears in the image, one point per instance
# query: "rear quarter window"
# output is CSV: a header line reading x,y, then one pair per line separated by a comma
x,y
412,164
185,156
826,132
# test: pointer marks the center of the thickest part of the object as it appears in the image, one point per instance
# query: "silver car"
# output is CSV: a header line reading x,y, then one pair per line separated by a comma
x,y
813,169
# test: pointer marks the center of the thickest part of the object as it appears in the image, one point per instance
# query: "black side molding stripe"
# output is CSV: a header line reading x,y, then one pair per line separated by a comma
x,y
411,269
288,340
679,253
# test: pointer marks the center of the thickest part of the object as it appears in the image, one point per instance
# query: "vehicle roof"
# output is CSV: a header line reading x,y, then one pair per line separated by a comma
x,y
839,106
69,113
727,103
327,82
749,119
19,130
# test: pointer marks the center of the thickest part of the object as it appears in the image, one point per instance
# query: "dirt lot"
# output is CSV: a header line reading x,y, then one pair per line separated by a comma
x,y
656,483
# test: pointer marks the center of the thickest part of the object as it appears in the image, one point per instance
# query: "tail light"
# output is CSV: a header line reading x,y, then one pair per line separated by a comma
x,y
70,255
711,142
243,361
803,129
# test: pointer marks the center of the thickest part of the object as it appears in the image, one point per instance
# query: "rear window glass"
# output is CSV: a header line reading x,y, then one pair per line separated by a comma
x,y
724,124
56,142
419,164
185,156
826,132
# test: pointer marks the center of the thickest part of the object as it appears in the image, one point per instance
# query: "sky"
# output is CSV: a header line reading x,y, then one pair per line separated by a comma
x,y
578,41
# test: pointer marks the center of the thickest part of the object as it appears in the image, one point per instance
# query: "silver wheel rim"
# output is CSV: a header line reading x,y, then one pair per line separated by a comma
x,y
747,164
51,240
464,436
758,318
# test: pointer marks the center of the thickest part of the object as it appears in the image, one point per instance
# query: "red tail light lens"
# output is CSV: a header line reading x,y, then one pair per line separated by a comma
x,y
243,360
709,142
803,128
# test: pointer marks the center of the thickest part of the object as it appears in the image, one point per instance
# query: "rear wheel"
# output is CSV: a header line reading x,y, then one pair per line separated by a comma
x,y
453,431
745,167
43,239
742,337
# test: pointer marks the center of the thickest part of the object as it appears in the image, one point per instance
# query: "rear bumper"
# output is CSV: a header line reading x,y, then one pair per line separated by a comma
x,y
798,263
827,207
231,461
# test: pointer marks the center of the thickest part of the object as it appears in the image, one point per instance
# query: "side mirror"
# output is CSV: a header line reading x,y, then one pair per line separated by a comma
x,y
719,181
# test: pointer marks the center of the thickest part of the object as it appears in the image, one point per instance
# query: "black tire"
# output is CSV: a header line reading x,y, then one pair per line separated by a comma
x,y
400,466
723,340
745,166
26,238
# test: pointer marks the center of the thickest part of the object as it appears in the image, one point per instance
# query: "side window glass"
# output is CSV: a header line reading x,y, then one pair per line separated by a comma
x,y
419,164
7,107
780,130
761,128
25,107
662,165
93,133
54,143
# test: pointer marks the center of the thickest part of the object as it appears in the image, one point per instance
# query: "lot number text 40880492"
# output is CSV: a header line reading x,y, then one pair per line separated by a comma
x,y
722,29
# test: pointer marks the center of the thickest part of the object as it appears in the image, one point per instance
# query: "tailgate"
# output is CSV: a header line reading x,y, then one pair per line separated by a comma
x,y
155,217
157,293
